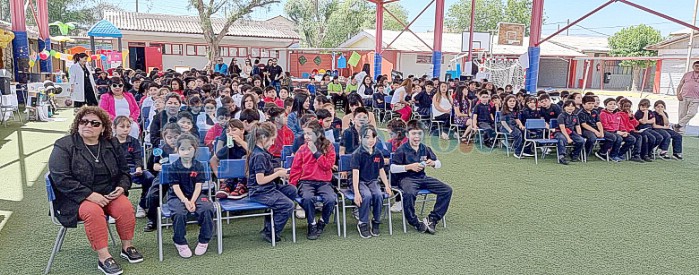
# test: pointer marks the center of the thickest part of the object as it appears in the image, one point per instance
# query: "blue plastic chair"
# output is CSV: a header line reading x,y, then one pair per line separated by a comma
x,y
538,126
58,243
164,213
202,135
347,194
235,169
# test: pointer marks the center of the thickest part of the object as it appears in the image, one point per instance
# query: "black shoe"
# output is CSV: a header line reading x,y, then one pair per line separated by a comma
x,y
312,232
677,156
601,156
647,159
150,227
375,228
637,159
110,267
363,229
575,159
320,227
664,156
562,160
132,255
421,227
429,222
268,237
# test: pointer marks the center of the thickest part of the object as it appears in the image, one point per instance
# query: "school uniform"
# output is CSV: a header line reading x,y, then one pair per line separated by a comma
x,y
279,197
134,157
312,173
668,136
629,124
552,111
651,138
591,118
369,165
336,126
570,121
379,100
186,179
424,104
410,182
611,122
350,140
517,136
484,119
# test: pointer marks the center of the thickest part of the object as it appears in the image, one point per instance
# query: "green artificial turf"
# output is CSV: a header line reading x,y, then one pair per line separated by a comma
x,y
506,216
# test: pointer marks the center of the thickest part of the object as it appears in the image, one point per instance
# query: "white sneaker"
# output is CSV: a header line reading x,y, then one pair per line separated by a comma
x,y
445,136
111,220
397,207
140,213
300,214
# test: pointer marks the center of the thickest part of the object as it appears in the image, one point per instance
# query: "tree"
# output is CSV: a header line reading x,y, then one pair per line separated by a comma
x,y
233,10
631,42
488,14
389,23
311,18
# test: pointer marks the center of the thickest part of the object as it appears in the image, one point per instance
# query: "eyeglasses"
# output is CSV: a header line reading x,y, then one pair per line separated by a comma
x,y
93,123
117,85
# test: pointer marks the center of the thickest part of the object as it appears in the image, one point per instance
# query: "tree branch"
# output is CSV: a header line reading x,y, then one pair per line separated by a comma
x,y
240,13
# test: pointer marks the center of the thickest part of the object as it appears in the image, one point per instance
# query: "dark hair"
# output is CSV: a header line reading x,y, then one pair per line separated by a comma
x,y
589,93
274,112
259,131
288,102
360,110
173,95
207,88
77,58
119,119
660,102
544,96
190,138
254,104
322,143
256,90
564,94
588,98
179,82
171,127
299,100
236,123
505,109
415,125
609,99
100,113
569,102
397,126
249,115
353,99
223,112
364,131
644,103
323,114
483,92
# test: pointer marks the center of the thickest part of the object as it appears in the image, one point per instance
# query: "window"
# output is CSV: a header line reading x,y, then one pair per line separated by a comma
x,y
264,53
255,52
137,44
274,54
172,49
233,52
191,50
196,50
201,50
243,52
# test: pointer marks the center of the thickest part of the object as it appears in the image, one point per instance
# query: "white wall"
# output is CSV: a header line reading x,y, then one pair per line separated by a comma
x,y
408,65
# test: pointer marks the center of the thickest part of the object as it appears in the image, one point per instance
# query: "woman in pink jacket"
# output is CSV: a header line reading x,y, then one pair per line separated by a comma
x,y
118,103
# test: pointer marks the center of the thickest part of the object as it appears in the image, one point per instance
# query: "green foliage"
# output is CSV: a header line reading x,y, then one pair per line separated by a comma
x,y
632,41
488,14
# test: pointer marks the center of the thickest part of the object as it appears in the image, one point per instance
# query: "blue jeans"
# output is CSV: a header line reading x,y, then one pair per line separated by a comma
x,y
371,197
281,201
630,142
613,143
309,190
411,185
488,130
608,143
277,86
578,143
145,180
638,146
517,138
651,139
204,214
670,136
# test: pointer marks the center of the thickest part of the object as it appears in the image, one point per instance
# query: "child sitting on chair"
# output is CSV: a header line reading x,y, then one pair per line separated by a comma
x,y
134,157
483,117
662,126
160,156
235,148
186,176
367,168
408,165
311,171
569,132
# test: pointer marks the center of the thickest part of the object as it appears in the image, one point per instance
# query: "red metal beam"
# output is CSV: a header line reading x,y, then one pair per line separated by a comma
x,y
672,19
439,25
379,28
575,22
470,31
407,27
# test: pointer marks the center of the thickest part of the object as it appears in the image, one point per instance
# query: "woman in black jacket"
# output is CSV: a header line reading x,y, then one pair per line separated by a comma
x,y
90,179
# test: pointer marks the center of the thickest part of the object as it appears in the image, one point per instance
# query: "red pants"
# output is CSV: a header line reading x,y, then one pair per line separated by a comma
x,y
405,113
96,223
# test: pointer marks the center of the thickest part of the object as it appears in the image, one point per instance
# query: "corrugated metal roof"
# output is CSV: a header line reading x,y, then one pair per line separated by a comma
x,y
104,28
582,43
133,21
451,43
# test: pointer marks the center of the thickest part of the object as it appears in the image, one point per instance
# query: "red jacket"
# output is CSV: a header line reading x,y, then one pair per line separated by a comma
x,y
306,166
628,124
611,122
284,137
276,101
212,134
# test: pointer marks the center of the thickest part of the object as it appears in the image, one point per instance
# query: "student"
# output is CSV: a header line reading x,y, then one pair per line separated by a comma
x,y
249,119
284,134
187,175
396,132
335,91
207,119
592,129
379,98
365,90
311,172
462,111
319,101
160,156
288,105
569,132
172,107
326,119
408,166
354,101
336,123
222,118
611,123
134,157
629,124
423,100
496,103
547,109
249,103
300,140
646,120
271,96
510,124
302,106
442,108
562,98
235,148
367,168
263,180
598,108
283,94
662,126
483,118
186,123
350,136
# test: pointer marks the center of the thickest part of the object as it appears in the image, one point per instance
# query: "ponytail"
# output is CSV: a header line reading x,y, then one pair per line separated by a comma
x,y
258,131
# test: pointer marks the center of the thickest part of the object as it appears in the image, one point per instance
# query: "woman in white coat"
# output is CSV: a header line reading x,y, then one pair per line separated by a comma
x,y
82,83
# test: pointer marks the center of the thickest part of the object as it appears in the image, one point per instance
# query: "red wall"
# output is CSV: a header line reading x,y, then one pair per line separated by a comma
x,y
296,69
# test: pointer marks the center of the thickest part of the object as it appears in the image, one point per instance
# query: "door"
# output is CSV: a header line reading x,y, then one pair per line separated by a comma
x,y
136,57
154,58
553,73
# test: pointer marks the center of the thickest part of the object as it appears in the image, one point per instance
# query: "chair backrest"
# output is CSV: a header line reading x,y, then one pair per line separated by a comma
x,y
389,146
337,148
344,163
202,135
165,174
173,157
288,160
387,99
554,123
287,151
49,188
497,117
231,169
535,124
203,154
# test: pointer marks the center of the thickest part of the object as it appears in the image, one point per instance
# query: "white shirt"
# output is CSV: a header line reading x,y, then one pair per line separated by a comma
x,y
400,92
444,104
121,107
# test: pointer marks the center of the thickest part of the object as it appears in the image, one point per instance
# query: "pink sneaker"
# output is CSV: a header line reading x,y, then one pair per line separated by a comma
x,y
201,249
184,250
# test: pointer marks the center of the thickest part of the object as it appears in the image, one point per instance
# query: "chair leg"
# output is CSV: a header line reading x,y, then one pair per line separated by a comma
x,y
344,218
444,221
337,219
56,247
274,231
219,228
390,218
160,235
293,226
111,235
424,200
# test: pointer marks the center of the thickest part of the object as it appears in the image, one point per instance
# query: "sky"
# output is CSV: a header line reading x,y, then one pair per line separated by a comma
x,y
557,12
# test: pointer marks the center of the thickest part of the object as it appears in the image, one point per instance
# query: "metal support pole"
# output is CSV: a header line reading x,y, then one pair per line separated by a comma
x,y
379,39
691,37
534,51
438,31
470,31
20,44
